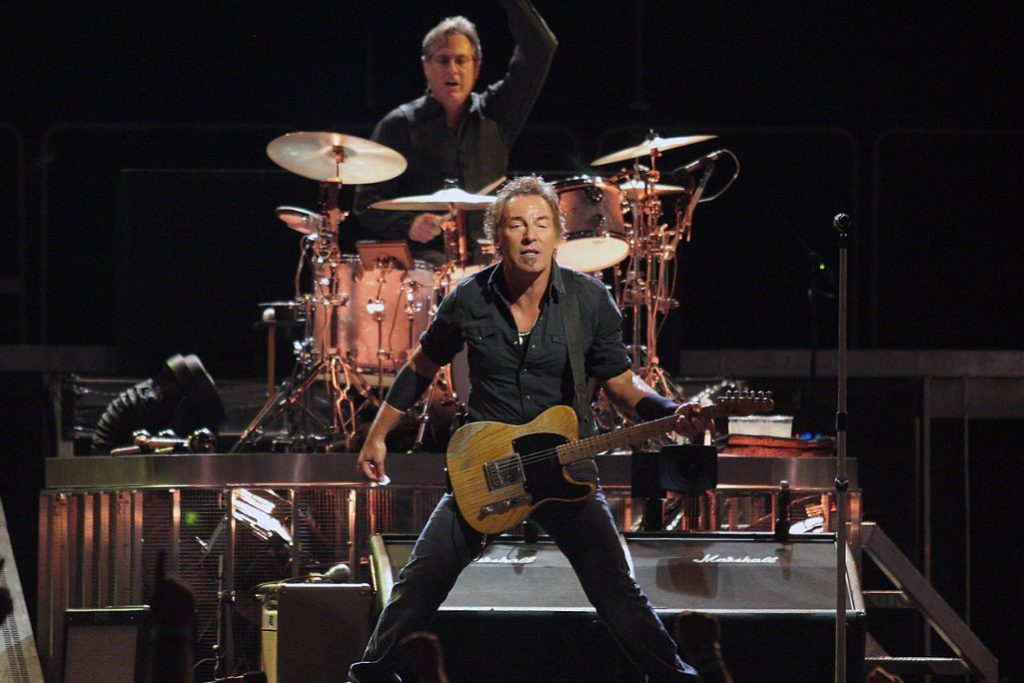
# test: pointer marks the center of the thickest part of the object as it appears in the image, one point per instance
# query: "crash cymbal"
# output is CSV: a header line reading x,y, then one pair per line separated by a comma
x,y
637,189
649,145
298,219
335,158
442,200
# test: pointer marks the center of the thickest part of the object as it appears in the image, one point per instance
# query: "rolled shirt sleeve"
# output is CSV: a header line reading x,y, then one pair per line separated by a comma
x,y
443,339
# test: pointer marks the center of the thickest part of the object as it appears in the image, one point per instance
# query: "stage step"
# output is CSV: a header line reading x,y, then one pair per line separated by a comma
x,y
886,599
940,666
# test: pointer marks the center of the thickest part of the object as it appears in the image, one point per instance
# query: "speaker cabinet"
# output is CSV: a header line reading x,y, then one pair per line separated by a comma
x,y
519,612
105,645
322,628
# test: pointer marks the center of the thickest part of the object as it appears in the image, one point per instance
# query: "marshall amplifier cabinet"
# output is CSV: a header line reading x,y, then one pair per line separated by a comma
x,y
516,613
774,601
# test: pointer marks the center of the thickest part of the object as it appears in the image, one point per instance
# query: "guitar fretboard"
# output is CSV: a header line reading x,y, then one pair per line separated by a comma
x,y
736,404
619,438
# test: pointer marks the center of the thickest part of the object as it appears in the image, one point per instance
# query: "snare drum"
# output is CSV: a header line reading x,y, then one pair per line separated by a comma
x,y
595,232
379,313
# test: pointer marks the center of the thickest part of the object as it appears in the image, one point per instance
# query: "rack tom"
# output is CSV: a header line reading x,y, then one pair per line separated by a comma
x,y
595,232
374,316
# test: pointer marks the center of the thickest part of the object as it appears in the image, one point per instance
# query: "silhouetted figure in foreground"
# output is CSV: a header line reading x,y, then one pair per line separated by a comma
x,y
172,629
699,636
421,651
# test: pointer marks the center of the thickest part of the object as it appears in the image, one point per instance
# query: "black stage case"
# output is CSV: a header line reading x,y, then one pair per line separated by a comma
x,y
322,629
105,644
519,611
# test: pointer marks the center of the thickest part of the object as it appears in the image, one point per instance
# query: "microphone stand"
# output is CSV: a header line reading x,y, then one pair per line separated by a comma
x,y
841,222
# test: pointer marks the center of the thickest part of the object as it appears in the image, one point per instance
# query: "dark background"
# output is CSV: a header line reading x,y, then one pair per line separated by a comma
x,y
137,200
908,119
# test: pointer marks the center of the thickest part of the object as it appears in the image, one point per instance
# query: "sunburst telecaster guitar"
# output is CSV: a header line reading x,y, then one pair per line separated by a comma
x,y
500,473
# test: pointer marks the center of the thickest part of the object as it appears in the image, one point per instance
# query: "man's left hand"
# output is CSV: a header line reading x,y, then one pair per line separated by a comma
x,y
691,421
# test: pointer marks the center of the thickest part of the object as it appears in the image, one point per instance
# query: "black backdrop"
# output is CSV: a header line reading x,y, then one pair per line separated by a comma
x,y
907,118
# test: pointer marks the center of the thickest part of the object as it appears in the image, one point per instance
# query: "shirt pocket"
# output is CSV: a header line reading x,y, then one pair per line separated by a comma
x,y
482,339
554,358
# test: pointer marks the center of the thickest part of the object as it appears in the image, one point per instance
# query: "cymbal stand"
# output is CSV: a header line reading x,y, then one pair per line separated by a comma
x,y
442,390
319,357
652,280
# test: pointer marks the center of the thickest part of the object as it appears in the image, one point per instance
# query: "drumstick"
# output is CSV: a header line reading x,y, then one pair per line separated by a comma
x,y
487,189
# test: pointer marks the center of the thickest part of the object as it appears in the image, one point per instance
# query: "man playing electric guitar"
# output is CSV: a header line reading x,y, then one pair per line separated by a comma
x,y
522,320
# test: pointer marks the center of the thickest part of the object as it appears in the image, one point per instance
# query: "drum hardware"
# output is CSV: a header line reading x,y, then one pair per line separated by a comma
x,y
300,220
323,357
650,272
453,226
637,189
652,268
276,313
167,441
454,202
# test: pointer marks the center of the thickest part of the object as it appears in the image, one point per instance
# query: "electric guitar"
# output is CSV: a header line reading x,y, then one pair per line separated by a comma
x,y
500,473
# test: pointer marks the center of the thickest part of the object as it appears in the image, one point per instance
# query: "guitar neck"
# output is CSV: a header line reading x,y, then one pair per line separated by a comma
x,y
619,438
732,404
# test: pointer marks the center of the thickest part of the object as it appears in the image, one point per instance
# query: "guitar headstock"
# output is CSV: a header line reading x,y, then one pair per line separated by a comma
x,y
745,402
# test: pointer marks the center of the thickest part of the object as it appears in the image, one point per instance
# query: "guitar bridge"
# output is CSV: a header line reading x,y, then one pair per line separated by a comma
x,y
504,505
503,472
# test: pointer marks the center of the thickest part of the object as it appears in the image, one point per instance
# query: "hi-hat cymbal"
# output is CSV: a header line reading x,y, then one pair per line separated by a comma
x,y
637,189
647,146
442,200
335,158
298,219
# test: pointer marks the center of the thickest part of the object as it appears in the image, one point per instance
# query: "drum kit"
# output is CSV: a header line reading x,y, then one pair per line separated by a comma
x,y
362,314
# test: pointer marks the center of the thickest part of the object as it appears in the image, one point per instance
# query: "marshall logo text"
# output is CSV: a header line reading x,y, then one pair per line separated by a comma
x,y
729,559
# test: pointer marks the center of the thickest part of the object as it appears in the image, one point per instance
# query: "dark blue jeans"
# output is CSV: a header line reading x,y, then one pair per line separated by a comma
x,y
584,531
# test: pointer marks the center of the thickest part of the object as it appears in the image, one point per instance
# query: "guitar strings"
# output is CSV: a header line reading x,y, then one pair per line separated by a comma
x,y
511,463
719,409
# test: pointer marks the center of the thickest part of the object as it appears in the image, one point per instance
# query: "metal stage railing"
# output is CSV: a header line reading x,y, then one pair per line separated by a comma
x,y
248,518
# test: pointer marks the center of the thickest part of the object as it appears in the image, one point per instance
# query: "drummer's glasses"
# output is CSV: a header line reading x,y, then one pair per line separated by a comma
x,y
461,61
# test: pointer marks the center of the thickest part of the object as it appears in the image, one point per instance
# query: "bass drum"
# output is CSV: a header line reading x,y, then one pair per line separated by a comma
x,y
378,316
595,232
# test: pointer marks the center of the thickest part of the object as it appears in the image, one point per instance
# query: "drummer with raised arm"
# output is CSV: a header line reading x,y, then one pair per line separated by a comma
x,y
452,133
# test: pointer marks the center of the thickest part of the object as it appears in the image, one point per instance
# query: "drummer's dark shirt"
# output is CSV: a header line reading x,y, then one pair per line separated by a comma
x,y
513,382
476,153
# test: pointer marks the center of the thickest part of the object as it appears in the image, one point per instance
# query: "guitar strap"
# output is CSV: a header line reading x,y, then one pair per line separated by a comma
x,y
574,341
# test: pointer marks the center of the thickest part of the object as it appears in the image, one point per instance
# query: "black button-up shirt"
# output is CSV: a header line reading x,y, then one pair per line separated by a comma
x,y
476,153
513,382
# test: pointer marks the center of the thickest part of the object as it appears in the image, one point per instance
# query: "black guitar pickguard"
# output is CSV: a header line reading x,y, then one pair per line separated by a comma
x,y
543,473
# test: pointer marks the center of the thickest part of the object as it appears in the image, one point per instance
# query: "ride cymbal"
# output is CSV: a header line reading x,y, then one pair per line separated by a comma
x,y
335,158
648,146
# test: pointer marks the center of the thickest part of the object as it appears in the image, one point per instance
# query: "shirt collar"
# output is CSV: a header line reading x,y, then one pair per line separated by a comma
x,y
555,284
432,107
